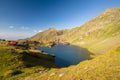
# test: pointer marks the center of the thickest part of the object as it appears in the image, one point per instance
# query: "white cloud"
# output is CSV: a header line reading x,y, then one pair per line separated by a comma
x,y
11,27
40,31
13,35
24,27
37,31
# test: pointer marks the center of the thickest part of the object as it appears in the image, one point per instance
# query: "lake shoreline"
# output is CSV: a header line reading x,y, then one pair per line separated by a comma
x,y
60,50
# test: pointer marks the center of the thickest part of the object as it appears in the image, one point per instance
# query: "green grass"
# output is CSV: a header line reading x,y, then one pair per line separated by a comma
x,y
104,67
16,63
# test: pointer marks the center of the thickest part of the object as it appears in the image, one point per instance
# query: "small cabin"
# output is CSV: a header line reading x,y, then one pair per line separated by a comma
x,y
12,43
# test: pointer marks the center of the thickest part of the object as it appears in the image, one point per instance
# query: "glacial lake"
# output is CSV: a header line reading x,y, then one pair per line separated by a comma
x,y
66,55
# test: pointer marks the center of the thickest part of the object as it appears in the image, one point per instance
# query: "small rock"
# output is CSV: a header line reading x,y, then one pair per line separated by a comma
x,y
52,74
60,75
40,72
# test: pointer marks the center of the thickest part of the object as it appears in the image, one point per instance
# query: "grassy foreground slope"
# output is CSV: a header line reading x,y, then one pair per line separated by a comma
x,y
15,63
104,67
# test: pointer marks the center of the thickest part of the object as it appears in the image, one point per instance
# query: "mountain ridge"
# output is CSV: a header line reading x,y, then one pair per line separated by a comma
x,y
97,31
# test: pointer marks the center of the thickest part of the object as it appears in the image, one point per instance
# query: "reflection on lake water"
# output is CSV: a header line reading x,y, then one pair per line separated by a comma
x,y
66,55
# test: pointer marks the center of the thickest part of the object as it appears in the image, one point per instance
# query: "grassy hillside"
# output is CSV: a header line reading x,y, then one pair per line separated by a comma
x,y
103,29
104,67
16,63
48,35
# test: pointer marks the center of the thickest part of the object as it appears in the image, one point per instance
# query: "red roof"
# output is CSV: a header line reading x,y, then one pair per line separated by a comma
x,y
12,42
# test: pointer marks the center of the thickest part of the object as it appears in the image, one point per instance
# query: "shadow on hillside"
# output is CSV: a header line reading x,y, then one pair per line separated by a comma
x,y
67,55
85,54
35,59
48,61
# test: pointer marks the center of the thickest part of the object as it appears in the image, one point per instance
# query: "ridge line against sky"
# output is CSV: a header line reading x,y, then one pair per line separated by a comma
x,y
21,19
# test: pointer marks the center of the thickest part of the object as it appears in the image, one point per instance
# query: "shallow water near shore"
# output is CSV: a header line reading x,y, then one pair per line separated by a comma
x,y
66,55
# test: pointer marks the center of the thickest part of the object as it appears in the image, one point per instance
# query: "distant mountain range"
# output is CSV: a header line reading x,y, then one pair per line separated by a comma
x,y
97,35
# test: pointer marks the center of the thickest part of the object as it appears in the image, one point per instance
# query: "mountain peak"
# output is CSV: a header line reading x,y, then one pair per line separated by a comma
x,y
109,10
52,28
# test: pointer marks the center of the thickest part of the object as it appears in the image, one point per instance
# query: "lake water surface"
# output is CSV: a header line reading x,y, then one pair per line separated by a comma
x,y
66,55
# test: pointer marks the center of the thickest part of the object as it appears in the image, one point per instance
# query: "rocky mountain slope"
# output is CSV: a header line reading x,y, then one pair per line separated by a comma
x,y
48,35
97,35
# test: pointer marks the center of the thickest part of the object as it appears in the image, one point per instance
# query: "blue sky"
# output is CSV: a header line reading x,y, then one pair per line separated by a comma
x,y
23,18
